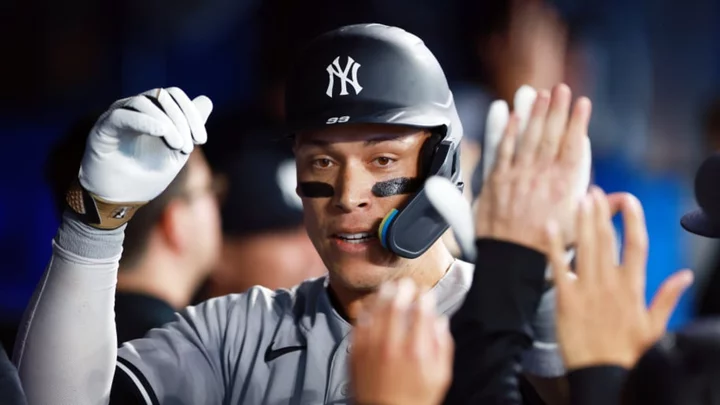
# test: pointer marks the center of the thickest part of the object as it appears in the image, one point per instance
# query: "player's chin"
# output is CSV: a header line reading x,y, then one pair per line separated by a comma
x,y
364,273
364,279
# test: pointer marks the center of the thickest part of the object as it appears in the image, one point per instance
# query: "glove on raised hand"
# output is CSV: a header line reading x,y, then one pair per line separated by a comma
x,y
134,151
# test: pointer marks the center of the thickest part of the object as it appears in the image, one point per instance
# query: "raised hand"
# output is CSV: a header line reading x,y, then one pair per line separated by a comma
x,y
134,151
402,350
601,316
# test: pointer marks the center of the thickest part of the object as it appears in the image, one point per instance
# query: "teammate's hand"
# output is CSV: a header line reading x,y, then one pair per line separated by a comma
x,y
402,351
601,316
538,172
136,149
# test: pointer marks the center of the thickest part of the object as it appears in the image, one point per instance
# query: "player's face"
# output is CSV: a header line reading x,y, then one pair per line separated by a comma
x,y
205,213
338,169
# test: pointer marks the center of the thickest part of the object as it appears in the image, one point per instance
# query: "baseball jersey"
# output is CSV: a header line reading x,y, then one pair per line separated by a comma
x,y
259,347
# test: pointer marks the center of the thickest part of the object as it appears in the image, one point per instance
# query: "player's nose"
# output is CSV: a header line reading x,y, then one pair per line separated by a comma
x,y
354,189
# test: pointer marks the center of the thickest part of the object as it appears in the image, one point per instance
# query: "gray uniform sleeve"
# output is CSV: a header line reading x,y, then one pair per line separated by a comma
x,y
544,358
197,358
66,348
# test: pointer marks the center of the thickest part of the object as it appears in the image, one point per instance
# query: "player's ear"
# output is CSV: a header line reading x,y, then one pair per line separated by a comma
x,y
176,225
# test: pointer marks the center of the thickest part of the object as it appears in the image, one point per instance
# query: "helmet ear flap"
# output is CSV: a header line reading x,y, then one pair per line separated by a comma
x,y
427,152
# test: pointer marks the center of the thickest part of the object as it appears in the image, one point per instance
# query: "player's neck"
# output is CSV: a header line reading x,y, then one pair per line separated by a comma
x,y
425,271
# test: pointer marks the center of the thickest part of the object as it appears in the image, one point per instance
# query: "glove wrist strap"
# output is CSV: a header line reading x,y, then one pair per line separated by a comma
x,y
97,212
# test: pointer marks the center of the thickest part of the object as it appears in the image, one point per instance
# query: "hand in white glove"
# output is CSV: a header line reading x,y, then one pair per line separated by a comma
x,y
134,151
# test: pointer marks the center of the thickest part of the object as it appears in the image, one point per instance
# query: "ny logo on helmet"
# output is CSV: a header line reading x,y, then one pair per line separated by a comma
x,y
334,70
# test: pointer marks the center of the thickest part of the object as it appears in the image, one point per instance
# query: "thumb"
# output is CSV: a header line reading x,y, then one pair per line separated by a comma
x,y
666,299
204,107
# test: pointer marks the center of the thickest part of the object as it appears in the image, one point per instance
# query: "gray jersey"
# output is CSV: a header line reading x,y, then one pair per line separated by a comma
x,y
260,347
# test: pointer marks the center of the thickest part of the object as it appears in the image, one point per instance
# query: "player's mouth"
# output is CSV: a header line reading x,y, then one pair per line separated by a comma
x,y
360,237
355,241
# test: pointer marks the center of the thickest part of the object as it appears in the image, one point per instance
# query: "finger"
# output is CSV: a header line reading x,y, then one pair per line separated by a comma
x,y
120,119
635,238
605,238
443,341
173,110
195,119
204,106
497,120
190,114
421,340
528,143
586,257
522,107
556,255
196,113
506,150
394,324
666,299
151,107
361,332
555,124
377,310
572,143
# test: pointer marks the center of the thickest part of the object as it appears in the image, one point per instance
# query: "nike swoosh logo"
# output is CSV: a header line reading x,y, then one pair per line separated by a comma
x,y
271,354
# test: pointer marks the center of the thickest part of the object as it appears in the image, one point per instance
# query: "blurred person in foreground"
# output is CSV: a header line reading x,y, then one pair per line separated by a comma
x,y
603,324
171,246
364,144
264,240
683,367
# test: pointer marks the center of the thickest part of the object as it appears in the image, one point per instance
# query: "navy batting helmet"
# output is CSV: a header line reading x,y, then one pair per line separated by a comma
x,y
372,73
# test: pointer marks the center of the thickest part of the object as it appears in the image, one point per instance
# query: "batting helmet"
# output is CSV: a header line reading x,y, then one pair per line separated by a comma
x,y
372,73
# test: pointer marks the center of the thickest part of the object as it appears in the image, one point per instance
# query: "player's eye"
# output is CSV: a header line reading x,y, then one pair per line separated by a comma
x,y
384,161
322,163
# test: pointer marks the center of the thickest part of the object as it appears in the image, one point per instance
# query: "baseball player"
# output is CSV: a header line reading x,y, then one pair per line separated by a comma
x,y
372,117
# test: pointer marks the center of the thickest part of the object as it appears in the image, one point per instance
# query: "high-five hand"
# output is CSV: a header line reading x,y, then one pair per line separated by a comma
x,y
402,351
535,177
601,316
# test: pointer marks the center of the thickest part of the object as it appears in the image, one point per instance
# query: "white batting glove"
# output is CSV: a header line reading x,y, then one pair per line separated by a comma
x,y
134,151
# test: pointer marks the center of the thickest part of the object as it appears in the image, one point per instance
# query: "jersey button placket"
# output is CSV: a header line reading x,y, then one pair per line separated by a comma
x,y
339,384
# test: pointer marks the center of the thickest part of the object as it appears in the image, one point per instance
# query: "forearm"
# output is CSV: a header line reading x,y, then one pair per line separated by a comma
x,y
599,385
492,328
66,349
